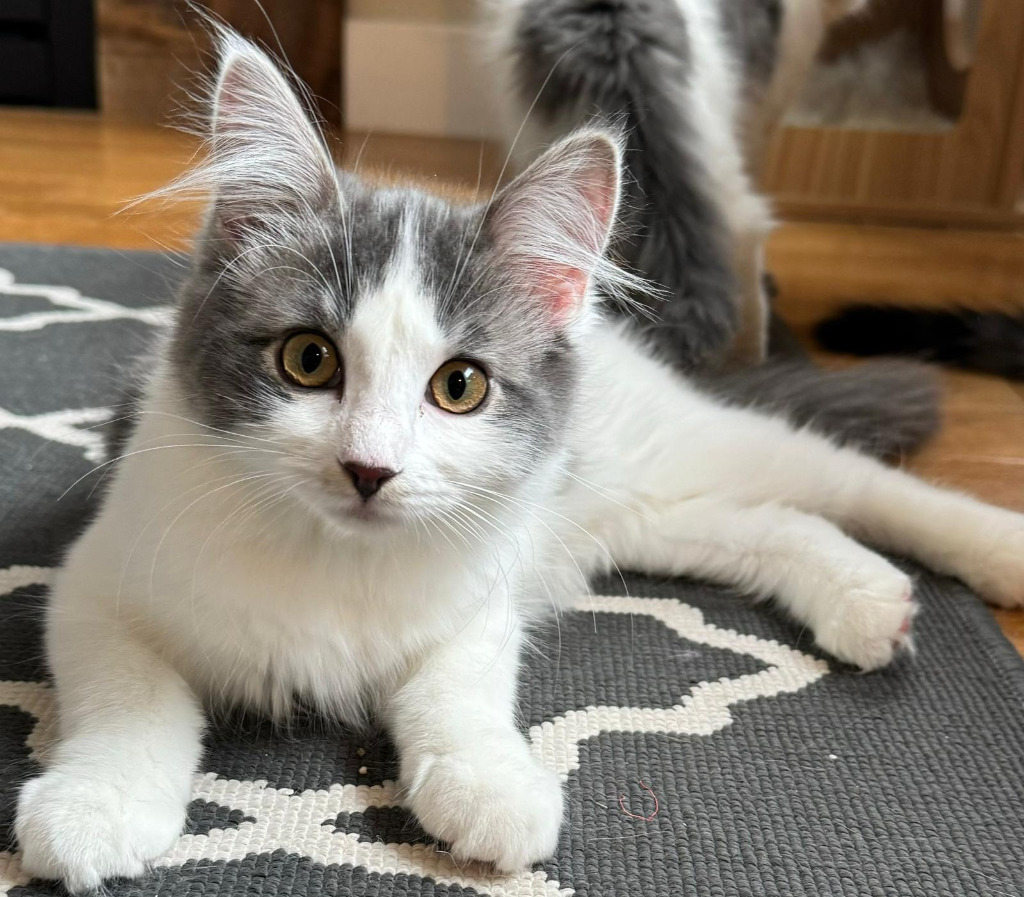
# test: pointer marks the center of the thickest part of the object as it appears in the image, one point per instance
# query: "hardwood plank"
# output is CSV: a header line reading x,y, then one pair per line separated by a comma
x,y
822,265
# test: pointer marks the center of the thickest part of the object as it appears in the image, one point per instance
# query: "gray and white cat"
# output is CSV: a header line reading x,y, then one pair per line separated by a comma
x,y
700,86
386,435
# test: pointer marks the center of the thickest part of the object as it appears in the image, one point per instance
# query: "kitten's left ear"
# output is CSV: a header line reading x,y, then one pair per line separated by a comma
x,y
552,224
266,155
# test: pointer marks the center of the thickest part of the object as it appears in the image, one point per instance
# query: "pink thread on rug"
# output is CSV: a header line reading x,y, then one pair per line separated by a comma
x,y
657,806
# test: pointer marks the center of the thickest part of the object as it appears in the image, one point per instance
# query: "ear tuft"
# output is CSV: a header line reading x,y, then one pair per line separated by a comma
x,y
266,150
266,158
552,225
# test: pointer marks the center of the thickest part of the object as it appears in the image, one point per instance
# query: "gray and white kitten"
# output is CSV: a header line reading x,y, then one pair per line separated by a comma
x,y
701,86
386,435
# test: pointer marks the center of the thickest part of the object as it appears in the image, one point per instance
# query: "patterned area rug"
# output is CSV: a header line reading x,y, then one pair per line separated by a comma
x,y
707,750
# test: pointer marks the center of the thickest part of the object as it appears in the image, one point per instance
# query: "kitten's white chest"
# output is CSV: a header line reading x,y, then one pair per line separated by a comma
x,y
264,621
330,630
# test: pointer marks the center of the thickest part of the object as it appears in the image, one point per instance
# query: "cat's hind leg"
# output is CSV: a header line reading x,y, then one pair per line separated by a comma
x,y
952,533
654,441
755,459
858,605
115,790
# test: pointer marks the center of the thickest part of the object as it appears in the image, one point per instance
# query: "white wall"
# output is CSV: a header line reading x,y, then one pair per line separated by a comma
x,y
415,67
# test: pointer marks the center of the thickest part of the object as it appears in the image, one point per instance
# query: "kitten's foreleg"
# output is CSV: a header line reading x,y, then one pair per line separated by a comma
x,y
856,603
114,793
467,770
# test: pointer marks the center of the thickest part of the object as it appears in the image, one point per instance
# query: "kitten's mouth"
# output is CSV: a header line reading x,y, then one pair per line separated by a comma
x,y
348,510
373,511
367,510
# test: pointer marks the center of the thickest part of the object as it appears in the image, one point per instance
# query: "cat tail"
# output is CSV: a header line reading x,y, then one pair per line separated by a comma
x,y
629,61
987,341
885,408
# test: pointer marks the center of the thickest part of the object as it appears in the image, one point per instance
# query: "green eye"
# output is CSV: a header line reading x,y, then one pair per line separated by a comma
x,y
458,386
310,360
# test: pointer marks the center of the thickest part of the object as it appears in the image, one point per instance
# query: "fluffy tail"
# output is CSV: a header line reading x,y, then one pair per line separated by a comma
x,y
884,408
630,60
992,342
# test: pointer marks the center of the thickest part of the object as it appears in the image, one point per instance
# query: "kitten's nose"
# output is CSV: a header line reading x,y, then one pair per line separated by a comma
x,y
367,480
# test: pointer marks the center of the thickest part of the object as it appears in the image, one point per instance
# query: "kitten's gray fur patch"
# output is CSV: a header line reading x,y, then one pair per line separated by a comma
x,y
624,59
306,276
884,408
484,316
752,28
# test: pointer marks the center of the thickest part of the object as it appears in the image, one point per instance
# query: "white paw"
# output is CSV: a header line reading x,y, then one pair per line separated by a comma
x,y
995,569
491,803
869,620
81,831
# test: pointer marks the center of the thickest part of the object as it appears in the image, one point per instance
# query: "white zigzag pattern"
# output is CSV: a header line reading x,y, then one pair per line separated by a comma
x,y
62,426
72,308
75,308
302,823
18,577
706,710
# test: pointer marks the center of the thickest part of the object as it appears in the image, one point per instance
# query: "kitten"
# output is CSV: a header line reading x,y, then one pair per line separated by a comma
x,y
701,86
385,435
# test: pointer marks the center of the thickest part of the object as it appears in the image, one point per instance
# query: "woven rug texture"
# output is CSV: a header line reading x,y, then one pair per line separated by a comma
x,y
707,749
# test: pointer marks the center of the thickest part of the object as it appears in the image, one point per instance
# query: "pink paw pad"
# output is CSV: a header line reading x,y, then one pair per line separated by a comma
x,y
908,597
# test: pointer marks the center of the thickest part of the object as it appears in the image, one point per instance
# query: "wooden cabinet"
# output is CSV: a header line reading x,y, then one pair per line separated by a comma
x,y
969,174
150,50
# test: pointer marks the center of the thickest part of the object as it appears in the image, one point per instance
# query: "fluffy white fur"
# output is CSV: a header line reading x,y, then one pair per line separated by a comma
x,y
244,568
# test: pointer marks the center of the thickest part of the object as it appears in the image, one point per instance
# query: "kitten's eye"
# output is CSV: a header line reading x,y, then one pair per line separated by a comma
x,y
310,360
458,386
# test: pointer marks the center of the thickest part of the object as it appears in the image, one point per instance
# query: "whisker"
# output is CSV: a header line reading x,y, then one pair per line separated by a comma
x,y
597,542
155,449
602,493
210,427
507,498
185,510
152,520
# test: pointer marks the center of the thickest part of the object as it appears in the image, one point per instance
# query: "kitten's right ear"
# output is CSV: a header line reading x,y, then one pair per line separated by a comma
x,y
266,156
552,224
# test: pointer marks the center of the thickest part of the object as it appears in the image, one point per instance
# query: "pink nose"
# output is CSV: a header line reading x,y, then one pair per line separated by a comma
x,y
367,480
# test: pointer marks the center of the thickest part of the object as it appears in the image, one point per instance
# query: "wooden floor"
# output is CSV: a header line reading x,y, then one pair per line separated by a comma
x,y
64,178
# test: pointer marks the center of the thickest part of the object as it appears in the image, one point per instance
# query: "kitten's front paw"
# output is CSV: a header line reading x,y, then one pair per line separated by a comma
x,y
492,803
81,831
869,623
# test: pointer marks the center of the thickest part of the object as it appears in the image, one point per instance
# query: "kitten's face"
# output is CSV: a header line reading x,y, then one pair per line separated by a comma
x,y
392,359
368,322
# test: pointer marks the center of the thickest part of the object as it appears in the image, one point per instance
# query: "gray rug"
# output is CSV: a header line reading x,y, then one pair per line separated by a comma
x,y
766,770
